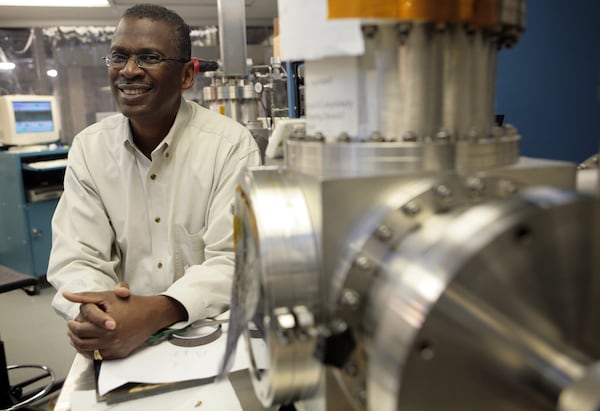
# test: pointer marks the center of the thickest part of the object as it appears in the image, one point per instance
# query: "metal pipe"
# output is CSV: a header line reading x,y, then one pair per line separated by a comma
x,y
232,37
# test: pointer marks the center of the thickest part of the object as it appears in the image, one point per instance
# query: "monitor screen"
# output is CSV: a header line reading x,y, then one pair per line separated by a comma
x,y
33,116
28,119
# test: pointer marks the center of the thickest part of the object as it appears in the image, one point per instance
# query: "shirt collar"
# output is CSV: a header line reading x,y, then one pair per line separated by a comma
x,y
181,119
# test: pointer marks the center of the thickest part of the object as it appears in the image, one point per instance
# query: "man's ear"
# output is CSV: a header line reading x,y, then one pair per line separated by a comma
x,y
188,76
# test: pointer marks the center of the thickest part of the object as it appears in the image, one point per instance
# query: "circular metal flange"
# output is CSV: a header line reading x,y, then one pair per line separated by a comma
x,y
349,158
482,154
422,200
352,282
368,158
278,268
488,307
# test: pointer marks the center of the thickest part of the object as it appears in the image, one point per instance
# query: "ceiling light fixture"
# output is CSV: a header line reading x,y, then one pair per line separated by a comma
x,y
7,65
55,3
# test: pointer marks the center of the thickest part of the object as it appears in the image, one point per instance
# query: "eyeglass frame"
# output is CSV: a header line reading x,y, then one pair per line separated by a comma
x,y
108,60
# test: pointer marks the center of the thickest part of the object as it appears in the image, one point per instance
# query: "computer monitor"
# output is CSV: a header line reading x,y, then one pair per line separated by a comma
x,y
28,119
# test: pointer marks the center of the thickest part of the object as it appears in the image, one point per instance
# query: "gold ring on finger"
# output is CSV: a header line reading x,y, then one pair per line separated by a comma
x,y
97,355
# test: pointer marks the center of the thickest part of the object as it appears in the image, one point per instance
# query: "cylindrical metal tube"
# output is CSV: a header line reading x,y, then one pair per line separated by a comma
x,y
429,67
419,76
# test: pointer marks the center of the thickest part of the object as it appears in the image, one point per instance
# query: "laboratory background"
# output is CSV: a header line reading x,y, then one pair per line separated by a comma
x,y
429,191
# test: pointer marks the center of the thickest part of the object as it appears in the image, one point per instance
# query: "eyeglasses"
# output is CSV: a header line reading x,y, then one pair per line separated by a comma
x,y
144,61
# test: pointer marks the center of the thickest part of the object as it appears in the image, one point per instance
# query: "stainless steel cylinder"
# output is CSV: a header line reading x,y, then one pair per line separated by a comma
x,y
475,320
235,99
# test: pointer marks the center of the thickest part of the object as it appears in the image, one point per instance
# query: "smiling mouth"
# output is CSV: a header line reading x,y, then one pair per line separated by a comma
x,y
134,91
131,90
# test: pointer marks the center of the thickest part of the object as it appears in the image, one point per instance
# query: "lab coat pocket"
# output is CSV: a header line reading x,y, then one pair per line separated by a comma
x,y
189,249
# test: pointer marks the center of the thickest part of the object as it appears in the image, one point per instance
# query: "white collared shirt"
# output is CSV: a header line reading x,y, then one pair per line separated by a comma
x,y
163,225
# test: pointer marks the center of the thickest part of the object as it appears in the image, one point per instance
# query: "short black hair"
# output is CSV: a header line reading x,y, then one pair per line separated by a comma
x,y
181,35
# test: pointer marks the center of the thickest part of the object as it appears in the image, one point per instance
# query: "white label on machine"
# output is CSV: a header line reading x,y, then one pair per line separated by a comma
x,y
305,33
331,96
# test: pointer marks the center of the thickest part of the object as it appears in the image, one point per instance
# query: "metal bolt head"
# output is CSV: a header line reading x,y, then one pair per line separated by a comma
x,y
472,135
476,185
411,209
409,136
286,321
343,137
383,232
350,298
404,28
442,136
298,133
369,31
376,136
443,191
363,263
285,324
319,137
510,130
304,316
507,187
337,326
